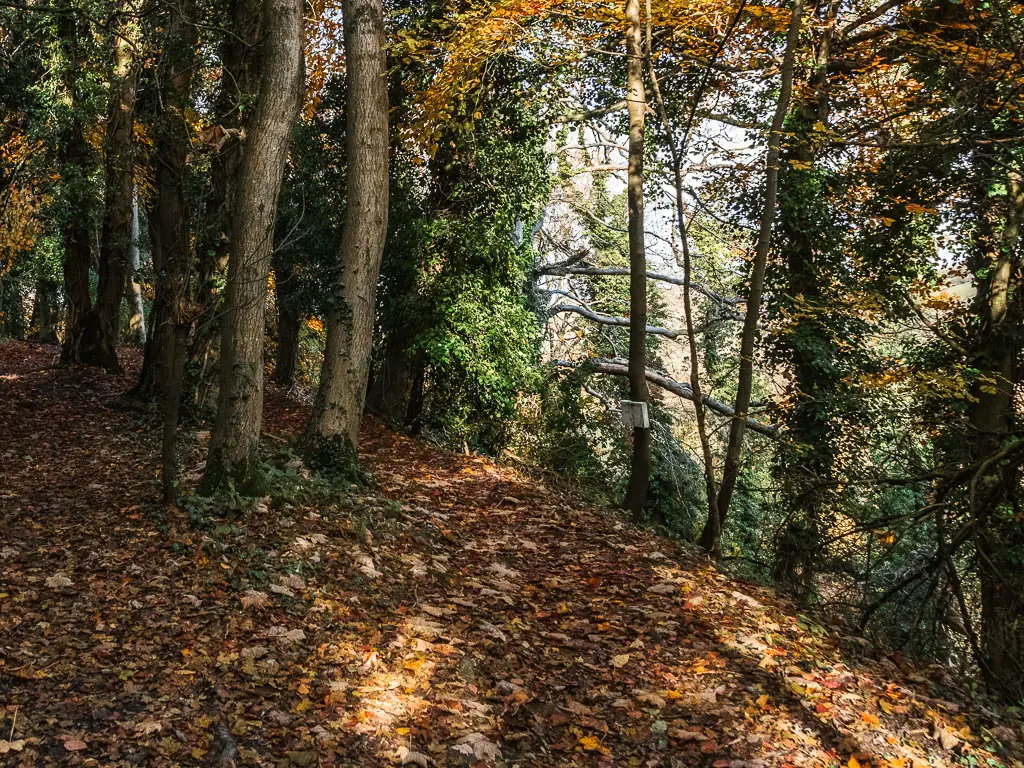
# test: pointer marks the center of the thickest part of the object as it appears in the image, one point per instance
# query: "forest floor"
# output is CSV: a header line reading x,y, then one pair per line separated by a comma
x,y
457,614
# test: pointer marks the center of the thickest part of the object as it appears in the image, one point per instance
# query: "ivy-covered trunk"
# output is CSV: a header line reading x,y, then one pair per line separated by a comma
x,y
806,343
1000,545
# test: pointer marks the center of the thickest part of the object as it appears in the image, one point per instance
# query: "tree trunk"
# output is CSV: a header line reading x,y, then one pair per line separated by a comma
x,y
132,289
239,86
808,346
288,321
74,159
338,409
1001,535
43,324
234,444
169,216
640,467
711,536
100,336
389,396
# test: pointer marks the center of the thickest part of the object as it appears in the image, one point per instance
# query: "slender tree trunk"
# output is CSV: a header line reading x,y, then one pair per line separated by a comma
x,y
390,392
288,321
74,162
640,467
44,314
169,216
338,409
132,289
711,536
678,153
234,444
100,336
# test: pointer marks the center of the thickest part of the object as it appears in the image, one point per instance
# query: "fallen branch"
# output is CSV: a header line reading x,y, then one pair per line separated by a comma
x,y
616,367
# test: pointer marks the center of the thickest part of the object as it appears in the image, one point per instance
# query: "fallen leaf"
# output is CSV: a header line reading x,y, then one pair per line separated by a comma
x,y
946,739
292,581
58,580
870,719
620,661
11,746
255,599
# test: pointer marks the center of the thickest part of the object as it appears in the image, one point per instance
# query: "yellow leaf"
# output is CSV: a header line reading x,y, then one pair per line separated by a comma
x,y
870,719
590,743
620,661
853,762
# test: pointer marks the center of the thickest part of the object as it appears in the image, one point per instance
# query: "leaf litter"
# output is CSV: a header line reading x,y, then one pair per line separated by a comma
x,y
408,625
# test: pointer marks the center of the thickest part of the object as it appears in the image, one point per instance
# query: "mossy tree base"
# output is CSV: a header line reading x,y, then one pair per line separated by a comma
x,y
333,457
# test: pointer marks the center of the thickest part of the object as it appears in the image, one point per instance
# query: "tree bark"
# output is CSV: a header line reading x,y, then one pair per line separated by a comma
x,y
391,389
710,538
43,323
640,466
234,444
132,289
100,337
169,215
992,419
74,159
288,321
338,408
239,86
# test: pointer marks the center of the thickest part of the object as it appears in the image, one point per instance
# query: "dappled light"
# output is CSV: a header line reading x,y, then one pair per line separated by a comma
x,y
460,613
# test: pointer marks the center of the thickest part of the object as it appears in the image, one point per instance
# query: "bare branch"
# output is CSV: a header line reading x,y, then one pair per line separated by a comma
x,y
621,322
617,367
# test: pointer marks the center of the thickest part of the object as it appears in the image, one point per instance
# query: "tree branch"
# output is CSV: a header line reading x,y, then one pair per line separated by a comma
x,y
621,322
562,270
617,367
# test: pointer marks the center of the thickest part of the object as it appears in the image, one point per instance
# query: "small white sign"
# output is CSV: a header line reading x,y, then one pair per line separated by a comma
x,y
634,414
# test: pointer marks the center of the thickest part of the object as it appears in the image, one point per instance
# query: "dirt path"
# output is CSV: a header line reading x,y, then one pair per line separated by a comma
x,y
459,614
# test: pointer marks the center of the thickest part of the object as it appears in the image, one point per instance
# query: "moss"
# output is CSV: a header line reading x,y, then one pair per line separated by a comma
x,y
334,458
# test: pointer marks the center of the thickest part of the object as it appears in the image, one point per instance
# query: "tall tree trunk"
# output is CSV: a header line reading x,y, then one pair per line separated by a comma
x,y
710,538
169,215
234,444
132,289
239,85
338,409
100,336
808,345
74,161
640,467
288,321
1000,307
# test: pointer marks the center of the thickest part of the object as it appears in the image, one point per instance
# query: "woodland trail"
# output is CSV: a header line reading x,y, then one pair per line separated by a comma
x,y
458,614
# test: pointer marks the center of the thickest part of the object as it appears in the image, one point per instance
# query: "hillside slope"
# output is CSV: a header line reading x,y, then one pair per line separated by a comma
x,y
459,614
